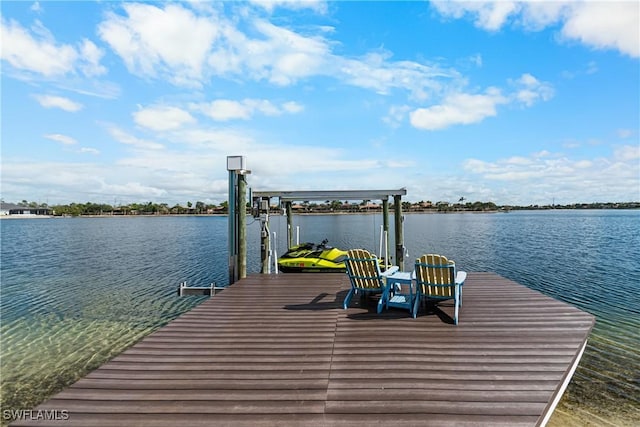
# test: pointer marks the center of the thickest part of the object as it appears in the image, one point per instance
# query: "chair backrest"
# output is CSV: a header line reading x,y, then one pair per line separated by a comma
x,y
363,269
435,275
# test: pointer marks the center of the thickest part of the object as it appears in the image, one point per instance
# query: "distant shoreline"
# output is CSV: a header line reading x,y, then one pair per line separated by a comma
x,y
371,212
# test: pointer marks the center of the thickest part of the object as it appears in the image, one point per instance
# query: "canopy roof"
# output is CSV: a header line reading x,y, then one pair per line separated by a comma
x,y
291,196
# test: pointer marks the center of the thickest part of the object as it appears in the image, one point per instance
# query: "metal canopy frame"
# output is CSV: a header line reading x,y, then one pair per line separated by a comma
x,y
292,196
262,199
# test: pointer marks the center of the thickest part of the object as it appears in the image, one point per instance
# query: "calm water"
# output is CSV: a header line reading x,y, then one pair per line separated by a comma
x,y
76,292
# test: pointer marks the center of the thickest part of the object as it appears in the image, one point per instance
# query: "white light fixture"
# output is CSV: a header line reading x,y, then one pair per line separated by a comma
x,y
236,163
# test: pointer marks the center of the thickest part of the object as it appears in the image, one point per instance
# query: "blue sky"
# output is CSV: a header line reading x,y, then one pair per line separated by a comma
x,y
511,102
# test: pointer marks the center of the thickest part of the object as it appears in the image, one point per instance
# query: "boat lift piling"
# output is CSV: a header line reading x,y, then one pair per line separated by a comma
x,y
237,218
397,216
289,213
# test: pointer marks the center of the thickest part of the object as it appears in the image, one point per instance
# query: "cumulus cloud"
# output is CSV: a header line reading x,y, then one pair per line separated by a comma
x,y
468,108
90,56
627,153
459,108
162,118
42,55
605,25
51,101
226,109
176,44
488,15
600,25
36,51
166,43
529,90
555,175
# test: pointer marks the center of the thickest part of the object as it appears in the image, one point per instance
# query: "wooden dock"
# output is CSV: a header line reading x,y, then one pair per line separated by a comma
x,y
279,350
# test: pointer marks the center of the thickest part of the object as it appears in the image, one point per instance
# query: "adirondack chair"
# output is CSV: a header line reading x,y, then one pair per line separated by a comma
x,y
437,280
363,270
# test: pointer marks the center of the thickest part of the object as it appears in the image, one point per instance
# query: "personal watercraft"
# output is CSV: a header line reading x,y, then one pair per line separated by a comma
x,y
312,258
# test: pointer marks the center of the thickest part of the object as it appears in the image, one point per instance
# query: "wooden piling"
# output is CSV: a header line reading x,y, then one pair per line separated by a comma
x,y
397,205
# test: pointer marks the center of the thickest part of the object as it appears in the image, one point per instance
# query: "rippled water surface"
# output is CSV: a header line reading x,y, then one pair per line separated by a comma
x,y
75,292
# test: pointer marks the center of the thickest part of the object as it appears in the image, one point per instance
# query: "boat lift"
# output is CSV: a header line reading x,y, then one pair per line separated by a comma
x,y
261,200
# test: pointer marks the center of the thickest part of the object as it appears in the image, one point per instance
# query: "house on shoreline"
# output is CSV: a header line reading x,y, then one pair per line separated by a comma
x,y
7,209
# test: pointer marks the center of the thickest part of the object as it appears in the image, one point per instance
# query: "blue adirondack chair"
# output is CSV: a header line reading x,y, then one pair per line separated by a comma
x,y
437,280
363,270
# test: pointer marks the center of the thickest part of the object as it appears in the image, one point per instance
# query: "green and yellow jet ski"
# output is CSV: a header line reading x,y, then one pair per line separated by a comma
x,y
312,258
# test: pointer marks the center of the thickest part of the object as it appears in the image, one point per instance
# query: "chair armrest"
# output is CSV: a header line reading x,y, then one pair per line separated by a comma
x,y
390,271
461,276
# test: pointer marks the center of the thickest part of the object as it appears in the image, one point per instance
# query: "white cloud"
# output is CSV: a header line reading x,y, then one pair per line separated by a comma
x,y
226,109
554,175
89,150
162,118
283,56
133,189
601,25
292,107
493,15
605,25
125,138
168,43
51,101
625,133
219,140
62,139
35,7
464,109
192,49
318,6
396,115
458,108
44,56
529,90
37,51
377,72
488,15
627,153
91,56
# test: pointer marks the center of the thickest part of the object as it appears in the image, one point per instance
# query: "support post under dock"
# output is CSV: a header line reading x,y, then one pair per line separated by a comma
x,y
385,227
242,226
397,205
289,224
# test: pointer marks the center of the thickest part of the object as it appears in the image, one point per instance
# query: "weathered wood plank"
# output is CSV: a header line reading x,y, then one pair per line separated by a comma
x,y
281,351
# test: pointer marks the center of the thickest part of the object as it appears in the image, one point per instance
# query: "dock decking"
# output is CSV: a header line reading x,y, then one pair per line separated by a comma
x,y
279,350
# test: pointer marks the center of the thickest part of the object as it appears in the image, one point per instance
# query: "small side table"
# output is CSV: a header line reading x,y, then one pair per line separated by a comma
x,y
401,289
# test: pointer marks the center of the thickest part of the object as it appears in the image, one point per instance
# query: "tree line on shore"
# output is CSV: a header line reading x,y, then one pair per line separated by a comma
x,y
335,206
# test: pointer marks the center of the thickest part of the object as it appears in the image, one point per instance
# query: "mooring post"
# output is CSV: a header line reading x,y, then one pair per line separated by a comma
x,y
289,223
264,237
397,206
385,227
237,217
242,226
